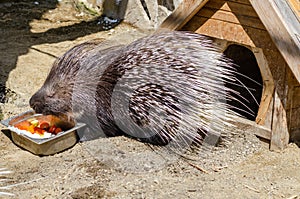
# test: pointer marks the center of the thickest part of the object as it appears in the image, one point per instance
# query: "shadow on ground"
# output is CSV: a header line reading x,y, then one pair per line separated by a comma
x,y
16,37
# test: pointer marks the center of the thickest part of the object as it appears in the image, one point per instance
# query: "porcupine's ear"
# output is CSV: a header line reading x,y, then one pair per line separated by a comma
x,y
4,188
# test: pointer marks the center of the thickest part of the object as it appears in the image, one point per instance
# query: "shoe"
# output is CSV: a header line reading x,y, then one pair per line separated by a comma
x,y
107,23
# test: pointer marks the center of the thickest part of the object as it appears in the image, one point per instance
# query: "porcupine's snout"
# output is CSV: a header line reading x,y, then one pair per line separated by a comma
x,y
36,102
51,103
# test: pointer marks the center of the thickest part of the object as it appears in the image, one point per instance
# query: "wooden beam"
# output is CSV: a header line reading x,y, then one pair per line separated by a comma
x,y
295,5
251,127
284,28
268,85
182,14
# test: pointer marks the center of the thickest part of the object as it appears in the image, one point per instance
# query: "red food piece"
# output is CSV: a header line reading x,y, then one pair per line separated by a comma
x,y
57,130
44,125
52,129
39,131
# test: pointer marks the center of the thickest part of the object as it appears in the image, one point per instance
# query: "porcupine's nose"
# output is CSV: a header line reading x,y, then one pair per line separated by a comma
x,y
36,103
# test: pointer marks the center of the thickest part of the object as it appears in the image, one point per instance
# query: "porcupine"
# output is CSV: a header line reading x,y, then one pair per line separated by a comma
x,y
164,88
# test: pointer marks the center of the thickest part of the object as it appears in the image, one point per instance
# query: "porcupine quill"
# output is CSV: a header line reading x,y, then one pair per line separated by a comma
x,y
4,189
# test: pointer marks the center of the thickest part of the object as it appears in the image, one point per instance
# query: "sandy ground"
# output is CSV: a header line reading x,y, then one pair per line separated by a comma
x,y
33,34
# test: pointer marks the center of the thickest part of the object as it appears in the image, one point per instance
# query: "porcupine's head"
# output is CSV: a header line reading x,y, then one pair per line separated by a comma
x,y
54,97
56,94
70,87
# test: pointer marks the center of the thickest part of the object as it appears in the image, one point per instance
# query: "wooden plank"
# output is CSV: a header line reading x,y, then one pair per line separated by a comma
x,y
294,118
293,107
283,29
280,134
294,110
296,98
241,1
295,5
228,16
237,8
295,114
268,87
295,136
225,30
182,14
252,127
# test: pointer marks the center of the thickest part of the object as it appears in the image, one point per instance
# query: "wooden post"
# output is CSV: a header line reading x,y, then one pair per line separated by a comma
x,y
280,134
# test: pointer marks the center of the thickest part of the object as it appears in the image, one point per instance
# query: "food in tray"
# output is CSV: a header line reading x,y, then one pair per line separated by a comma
x,y
42,144
39,126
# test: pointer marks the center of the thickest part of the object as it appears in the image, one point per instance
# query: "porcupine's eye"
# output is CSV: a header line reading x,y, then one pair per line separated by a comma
x,y
50,94
37,102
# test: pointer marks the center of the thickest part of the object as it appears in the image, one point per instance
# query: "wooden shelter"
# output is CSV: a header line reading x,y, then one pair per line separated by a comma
x,y
270,31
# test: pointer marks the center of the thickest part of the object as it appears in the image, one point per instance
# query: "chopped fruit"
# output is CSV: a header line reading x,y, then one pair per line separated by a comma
x,y
39,131
52,129
44,125
34,122
57,130
31,129
24,125
39,126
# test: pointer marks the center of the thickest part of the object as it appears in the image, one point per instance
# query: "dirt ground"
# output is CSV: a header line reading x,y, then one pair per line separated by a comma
x,y
32,35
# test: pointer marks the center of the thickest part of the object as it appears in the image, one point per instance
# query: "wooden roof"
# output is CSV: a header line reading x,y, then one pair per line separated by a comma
x,y
280,17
